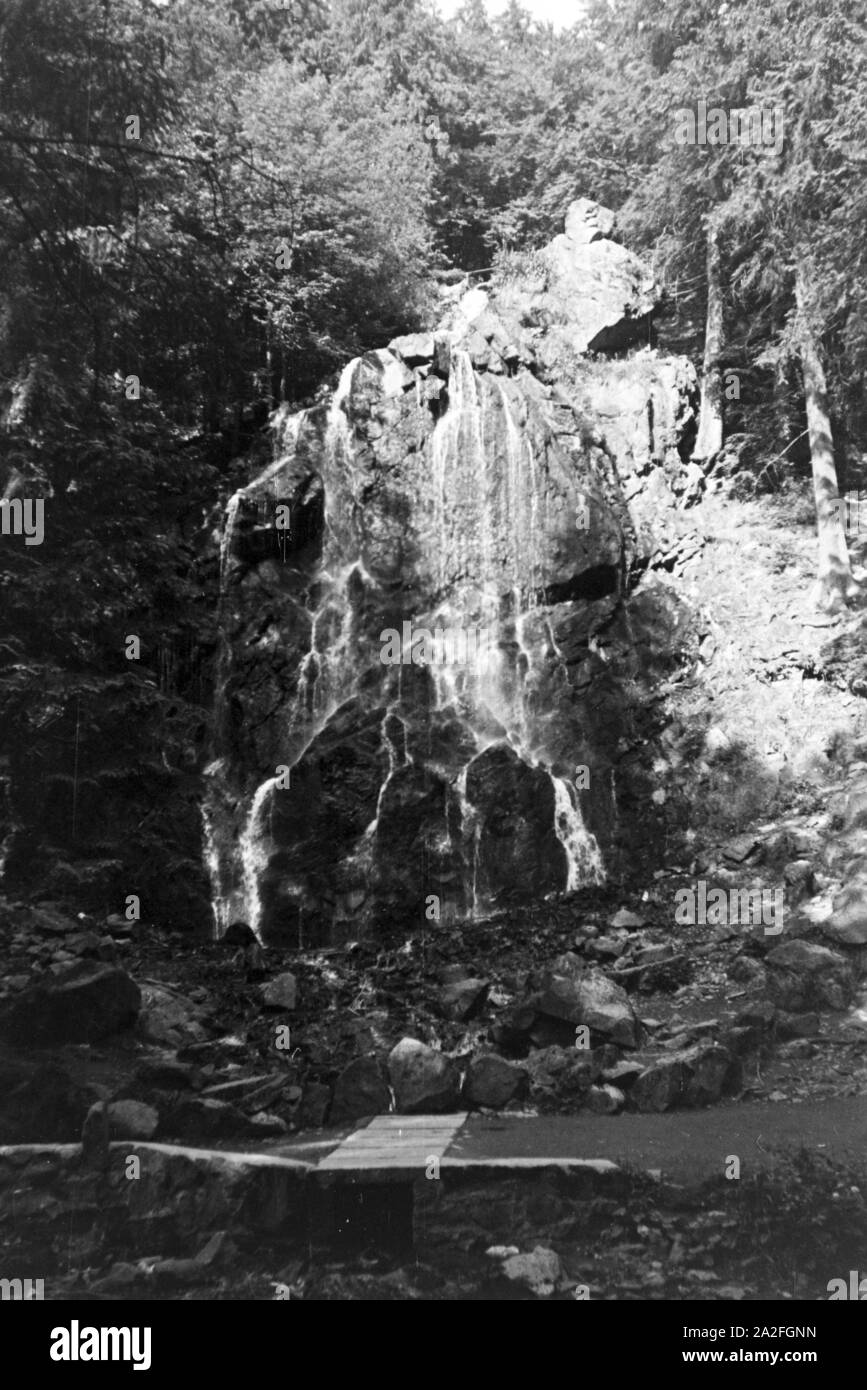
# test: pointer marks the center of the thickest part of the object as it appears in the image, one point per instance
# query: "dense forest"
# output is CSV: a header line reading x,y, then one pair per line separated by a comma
x,y
207,208
526,775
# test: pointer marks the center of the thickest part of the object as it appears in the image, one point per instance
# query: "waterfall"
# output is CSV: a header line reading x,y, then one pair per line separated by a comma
x,y
459,464
394,759
487,531
471,832
326,674
521,497
220,890
253,847
233,841
232,506
582,852
466,504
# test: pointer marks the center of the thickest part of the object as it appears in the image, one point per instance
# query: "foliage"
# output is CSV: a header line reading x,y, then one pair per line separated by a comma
x,y
299,172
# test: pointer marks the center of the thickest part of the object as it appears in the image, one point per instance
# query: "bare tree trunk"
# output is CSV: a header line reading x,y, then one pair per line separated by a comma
x,y
710,420
785,408
835,584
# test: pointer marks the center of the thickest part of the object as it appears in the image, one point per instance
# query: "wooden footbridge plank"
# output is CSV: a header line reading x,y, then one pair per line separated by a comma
x,y
403,1143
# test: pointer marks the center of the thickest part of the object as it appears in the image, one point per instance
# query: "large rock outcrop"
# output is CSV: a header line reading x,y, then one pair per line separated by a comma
x,y
416,717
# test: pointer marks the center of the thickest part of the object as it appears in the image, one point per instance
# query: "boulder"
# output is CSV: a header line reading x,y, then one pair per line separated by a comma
x,y
423,1080
281,992
492,1082
753,1026
360,1089
453,974
461,999
803,976
86,943
748,971
761,1014
661,1085
712,1072
623,918
588,221
664,972
624,1073
798,1026
315,1101
266,1125
694,1076
49,920
570,993
605,1100
120,926
740,1040
514,1031
741,849
605,948
165,1074
96,1138
170,1018
514,805
83,1003
198,1120
847,924
800,879
854,810
131,1119
599,294
539,1271
239,935
561,1076
40,1102
413,348
551,1032
653,955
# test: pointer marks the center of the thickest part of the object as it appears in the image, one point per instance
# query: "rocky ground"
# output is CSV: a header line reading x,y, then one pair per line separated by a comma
x,y
605,1003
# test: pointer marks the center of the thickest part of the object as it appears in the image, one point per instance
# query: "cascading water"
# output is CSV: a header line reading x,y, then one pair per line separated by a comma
x,y
471,834
582,851
254,852
497,501
449,490
326,672
418,762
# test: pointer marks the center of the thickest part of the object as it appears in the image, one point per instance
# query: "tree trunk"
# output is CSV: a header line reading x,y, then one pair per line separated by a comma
x,y
835,584
786,408
710,420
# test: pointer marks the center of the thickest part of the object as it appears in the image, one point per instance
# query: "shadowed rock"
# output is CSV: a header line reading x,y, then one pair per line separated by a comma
x,y
87,1002
424,1081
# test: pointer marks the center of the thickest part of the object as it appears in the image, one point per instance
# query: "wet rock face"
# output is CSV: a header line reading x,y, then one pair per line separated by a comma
x,y
414,720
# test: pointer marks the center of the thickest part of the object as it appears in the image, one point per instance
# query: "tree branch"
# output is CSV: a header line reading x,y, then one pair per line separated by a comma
x,y
131,147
